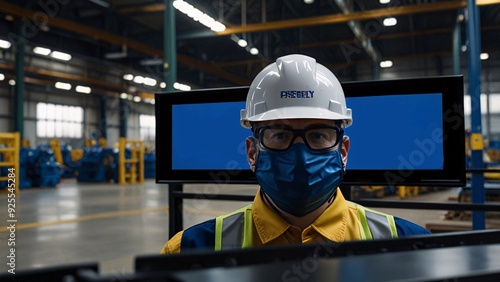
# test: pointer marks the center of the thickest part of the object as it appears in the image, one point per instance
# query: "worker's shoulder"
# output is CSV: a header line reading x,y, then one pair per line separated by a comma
x,y
201,235
408,228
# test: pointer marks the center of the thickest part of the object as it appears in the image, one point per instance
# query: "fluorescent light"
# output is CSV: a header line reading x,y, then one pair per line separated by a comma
x,y
384,1
137,99
254,51
83,89
163,85
12,82
41,51
151,62
217,26
5,44
128,76
149,81
123,96
63,85
390,21
242,43
484,56
60,56
198,15
2,76
152,101
180,86
386,64
308,1
139,79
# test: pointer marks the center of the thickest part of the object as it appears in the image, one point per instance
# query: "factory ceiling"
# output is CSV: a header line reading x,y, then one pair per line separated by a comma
x,y
128,34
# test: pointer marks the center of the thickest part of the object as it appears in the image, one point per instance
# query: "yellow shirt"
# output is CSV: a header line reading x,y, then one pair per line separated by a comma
x,y
338,223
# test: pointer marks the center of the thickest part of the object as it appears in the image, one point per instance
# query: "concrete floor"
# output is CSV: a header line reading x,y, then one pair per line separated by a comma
x,y
111,224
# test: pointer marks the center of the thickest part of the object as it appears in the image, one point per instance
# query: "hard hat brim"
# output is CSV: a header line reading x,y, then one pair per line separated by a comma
x,y
299,113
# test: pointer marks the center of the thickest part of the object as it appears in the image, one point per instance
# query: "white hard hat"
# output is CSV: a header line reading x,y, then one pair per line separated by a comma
x,y
295,87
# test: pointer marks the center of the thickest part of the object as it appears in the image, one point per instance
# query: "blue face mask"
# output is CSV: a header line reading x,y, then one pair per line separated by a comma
x,y
299,180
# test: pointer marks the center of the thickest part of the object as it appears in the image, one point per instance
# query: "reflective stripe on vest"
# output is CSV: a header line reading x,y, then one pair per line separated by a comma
x,y
234,230
375,225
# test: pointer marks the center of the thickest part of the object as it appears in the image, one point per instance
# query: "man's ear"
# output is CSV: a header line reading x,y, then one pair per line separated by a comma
x,y
346,143
251,152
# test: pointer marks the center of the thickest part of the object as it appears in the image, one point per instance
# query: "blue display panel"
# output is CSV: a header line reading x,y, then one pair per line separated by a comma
x,y
404,132
388,132
208,136
396,132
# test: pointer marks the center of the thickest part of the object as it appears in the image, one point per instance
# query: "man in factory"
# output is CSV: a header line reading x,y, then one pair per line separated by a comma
x,y
297,112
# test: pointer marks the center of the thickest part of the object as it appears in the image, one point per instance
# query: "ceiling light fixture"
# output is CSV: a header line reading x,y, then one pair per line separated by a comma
x,y
180,86
151,62
139,79
128,76
63,85
5,44
390,21
2,76
484,56
41,51
150,81
83,89
243,43
60,56
117,55
384,1
254,51
198,15
12,82
386,64
123,96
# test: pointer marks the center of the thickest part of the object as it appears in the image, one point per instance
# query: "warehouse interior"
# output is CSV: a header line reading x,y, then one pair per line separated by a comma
x,y
78,82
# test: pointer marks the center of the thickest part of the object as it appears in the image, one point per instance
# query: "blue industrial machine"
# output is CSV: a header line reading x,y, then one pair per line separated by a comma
x,y
70,164
38,168
97,165
150,165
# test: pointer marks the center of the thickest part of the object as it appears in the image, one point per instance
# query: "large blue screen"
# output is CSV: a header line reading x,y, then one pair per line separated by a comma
x,y
388,132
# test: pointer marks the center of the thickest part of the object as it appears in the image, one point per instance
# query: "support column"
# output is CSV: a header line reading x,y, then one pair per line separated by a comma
x,y
169,46
124,113
103,125
376,70
457,44
474,69
19,87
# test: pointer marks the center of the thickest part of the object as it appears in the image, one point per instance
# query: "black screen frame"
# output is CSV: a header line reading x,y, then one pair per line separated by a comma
x,y
452,174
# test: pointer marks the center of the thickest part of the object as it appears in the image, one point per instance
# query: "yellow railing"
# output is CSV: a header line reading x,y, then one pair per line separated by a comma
x,y
135,172
10,148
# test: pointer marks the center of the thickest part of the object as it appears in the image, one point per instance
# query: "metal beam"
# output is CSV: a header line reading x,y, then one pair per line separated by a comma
x,y
355,26
149,8
355,16
100,35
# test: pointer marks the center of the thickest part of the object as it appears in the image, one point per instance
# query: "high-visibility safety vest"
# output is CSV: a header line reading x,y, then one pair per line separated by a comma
x,y
234,230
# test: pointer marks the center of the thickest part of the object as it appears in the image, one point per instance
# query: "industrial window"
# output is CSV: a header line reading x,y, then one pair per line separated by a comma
x,y
147,124
58,121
